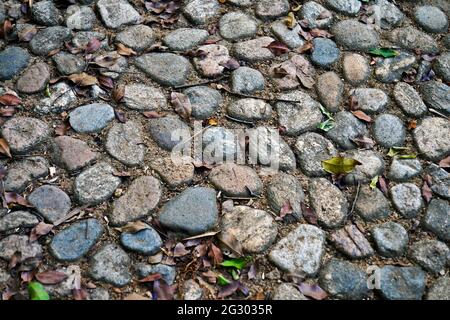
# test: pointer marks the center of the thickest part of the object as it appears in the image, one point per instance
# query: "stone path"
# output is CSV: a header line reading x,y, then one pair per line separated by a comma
x,y
93,92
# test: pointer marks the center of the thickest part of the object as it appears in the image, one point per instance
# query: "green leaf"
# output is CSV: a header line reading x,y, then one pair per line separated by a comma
x,y
395,151
37,291
47,92
407,156
339,165
326,113
327,125
234,274
222,281
373,182
384,52
238,263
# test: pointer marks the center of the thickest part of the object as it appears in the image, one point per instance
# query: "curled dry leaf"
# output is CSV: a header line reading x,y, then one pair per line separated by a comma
x,y
181,104
180,250
107,60
230,242
118,93
308,214
93,45
80,294
312,290
153,114
133,227
412,124
163,291
364,142
318,33
151,277
120,115
278,48
41,229
353,103
63,128
231,64
362,115
15,198
27,33
51,277
83,79
307,46
215,254
427,194
290,20
9,99
4,148
105,82
383,184
125,51
229,289
445,163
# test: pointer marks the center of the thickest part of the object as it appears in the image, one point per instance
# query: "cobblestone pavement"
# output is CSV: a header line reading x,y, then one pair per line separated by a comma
x,y
94,207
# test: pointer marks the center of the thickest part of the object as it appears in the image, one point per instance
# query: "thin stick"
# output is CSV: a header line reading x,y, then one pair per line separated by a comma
x,y
438,113
239,120
356,197
199,83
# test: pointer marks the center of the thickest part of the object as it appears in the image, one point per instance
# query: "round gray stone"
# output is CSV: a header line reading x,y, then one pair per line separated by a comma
x,y
391,239
111,265
51,202
372,164
325,52
192,212
298,117
404,169
284,188
75,241
167,69
311,149
287,291
409,100
255,229
141,197
21,243
91,118
312,13
71,154
407,199
146,242
67,63
389,131
402,283
390,15
17,219
21,173
371,204
436,95
247,80
49,39
290,37
343,280
200,11
437,218
45,13
431,137
346,127
204,101
432,255
442,66
12,61
300,251
440,181
80,18
250,109
24,134
254,50
271,9
138,37
329,203
355,35
125,143
348,7
116,13
168,131
371,100
411,38
138,96
96,184
431,19
237,26
184,39
167,273
34,79
440,290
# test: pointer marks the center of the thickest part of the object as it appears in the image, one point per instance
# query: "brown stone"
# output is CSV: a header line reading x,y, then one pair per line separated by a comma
x,y
72,154
34,79
350,241
236,180
356,68
173,174
330,89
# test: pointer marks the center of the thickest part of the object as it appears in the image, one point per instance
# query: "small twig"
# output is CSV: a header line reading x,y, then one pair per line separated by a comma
x,y
356,197
239,120
200,83
244,95
71,214
438,113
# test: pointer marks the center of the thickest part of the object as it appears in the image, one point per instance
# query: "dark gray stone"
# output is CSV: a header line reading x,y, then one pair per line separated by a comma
x,y
247,80
204,101
193,211
111,265
49,39
346,128
167,273
21,173
410,38
283,188
17,219
51,202
436,95
13,243
437,218
431,19
91,118
96,184
116,13
237,26
343,280
440,181
75,241
355,35
168,131
125,143
432,255
45,13
138,37
12,61
67,63
147,241
404,169
391,239
390,15
80,18
290,37
167,69
402,283
407,199
184,39
389,131
431,137
325,52
409,100
371,100
236,180
372,204
442,67
312,12
391,69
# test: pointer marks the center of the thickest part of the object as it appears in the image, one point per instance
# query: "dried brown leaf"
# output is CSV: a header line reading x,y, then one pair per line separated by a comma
x,y
83,79
133,227
41,229
312,290
445,163
125,51
181,104
51,277
9,99
4,148
361,115
278,48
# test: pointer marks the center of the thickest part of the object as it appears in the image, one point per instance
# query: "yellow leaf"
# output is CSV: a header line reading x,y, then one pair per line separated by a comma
x,y
213,122
339,165
290,20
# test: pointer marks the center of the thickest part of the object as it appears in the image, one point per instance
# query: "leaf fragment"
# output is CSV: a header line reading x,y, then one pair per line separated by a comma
x,y
384,52
237,263
340,165
51,277
37,291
